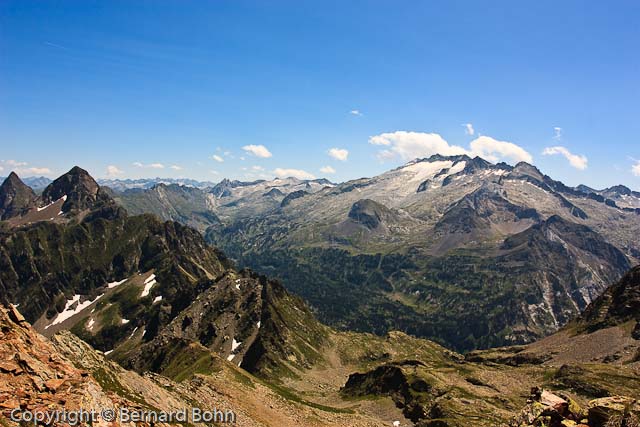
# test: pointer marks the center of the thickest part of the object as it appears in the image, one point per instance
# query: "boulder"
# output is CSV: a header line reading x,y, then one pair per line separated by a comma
x,y
601,410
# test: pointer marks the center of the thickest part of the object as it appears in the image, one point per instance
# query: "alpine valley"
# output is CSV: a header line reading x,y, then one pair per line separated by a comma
x,y
447,292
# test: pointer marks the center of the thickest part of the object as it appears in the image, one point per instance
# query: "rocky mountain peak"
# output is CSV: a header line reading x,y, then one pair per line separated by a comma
x,y
15,197
80,189
526,169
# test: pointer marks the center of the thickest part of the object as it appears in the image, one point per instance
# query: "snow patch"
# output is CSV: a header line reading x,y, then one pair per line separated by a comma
x,y
133,333
125,321
157,299
235,344
230,357
91,323
426,170
259,324
148,284
106,353
116,284
68,312
63,198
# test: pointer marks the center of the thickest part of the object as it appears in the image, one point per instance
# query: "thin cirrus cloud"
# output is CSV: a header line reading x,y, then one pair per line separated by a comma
x,y
149,165
635,169
557,133
577,161
295,173
411,145
468,129
217,158
258,151
175,167
356,113
339,154
327,170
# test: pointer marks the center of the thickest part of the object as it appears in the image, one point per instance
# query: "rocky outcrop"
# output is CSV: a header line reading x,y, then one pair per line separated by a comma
x,y
16,198
559,410
292,196
34,376
370,214
620,303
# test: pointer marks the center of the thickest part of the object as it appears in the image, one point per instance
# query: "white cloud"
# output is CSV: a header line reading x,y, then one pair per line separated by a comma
x,y
175,167
217,158
577,161
356,113
296,173
257,168
635,169
557,133
151,165
21,168
412,145
214,172
33,171
327,170
468,129
113,171
15,164
258,151
494,150
339,154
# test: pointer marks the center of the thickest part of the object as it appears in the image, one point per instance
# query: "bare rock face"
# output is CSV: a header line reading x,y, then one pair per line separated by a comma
x,y
370,213
618,304
80,189
16,197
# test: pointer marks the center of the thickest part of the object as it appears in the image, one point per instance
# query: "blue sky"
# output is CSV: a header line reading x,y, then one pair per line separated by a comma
x,y
129,89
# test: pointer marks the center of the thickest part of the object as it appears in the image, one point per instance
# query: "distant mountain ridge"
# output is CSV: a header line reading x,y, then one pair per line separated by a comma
x,y
470,253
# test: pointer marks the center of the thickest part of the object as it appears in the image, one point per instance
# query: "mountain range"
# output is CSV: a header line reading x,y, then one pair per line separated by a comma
x,y
187,328
456,249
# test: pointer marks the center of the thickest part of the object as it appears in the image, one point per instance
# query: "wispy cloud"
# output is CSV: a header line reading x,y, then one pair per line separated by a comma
x,y
114,172
149,165
217,158
356,113
258,151
412,145
15,164
557,133
175,167
295,173
57,46
24,169
635,169
327,170
577,161
468,129
339,154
